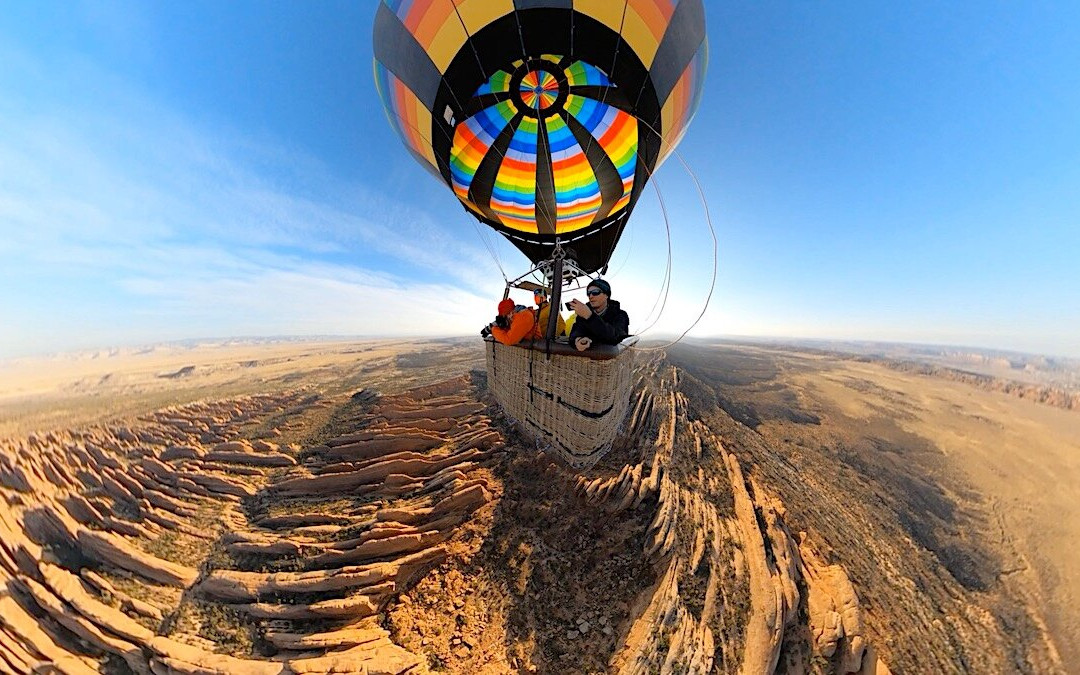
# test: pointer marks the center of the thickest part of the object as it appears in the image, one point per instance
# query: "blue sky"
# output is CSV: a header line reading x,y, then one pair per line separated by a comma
x,y
888,171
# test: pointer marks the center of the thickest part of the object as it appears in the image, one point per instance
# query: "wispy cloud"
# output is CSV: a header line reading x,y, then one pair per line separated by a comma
x,y
89,176
115,208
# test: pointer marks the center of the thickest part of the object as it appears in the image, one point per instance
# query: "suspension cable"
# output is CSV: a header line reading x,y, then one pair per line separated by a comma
x,y
667,226
665,285
490,248
629,252
716,265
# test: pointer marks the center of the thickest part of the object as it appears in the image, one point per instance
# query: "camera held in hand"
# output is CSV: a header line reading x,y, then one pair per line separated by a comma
x,y
502,322
485,332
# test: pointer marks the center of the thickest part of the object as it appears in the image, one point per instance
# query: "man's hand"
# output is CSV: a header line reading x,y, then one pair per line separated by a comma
x,y
582,309
583,343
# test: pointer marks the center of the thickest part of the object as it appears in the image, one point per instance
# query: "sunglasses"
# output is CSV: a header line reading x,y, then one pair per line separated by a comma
x,y
593,292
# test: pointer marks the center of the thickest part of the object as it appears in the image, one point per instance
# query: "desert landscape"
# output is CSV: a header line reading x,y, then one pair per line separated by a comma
x,y
276,506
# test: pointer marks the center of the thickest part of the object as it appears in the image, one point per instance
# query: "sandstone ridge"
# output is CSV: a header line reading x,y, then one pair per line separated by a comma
x,y
418,535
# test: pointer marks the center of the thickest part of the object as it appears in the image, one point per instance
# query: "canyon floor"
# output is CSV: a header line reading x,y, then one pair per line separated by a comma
x,y
365,507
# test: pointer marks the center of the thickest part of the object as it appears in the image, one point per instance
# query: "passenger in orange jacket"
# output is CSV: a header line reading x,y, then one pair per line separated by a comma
x,y
520,324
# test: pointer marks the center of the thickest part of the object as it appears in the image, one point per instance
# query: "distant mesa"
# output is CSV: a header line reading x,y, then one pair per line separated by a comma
x,y
177,374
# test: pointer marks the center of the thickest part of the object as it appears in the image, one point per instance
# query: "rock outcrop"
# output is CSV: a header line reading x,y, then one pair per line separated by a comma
x,y
94,520
729,569
181,542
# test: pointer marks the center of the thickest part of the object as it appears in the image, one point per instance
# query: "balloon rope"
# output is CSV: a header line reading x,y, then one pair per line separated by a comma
x,y
629,251
521,38
490,249
538,204
665,286
487,244
611,72
666,283
468,38
716,246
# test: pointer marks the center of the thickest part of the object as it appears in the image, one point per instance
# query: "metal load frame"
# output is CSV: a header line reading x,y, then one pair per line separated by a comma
x,y
561,267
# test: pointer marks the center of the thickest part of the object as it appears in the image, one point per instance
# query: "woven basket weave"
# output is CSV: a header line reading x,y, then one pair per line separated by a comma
x,y
574,404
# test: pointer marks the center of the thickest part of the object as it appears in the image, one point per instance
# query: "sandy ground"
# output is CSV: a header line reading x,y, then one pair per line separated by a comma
x,y
954,506
950,507
1024,458
75,389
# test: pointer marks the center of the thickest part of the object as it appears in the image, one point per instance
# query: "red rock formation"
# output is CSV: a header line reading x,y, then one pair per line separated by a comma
x,y
310,555
108,494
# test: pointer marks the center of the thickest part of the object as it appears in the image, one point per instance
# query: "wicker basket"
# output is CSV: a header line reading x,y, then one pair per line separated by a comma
x,y
572,402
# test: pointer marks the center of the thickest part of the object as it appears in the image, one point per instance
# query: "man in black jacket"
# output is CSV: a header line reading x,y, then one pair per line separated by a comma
x,y
601,320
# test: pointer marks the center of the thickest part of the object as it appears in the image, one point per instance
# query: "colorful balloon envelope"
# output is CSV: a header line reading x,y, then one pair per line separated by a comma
x,y
545,117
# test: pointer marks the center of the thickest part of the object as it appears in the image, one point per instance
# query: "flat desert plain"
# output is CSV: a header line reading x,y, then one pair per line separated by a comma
x,y
73,389
986,482
1020,461
346,506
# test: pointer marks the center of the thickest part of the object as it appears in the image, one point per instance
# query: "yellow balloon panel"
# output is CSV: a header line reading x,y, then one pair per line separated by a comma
x,y
643,28
476,14
607,12
420,122
446,39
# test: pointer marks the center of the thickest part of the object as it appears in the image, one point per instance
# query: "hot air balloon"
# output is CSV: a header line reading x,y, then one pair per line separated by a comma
x,y
545,118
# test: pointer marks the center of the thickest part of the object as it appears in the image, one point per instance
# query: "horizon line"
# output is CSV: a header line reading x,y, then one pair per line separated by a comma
x,y
793,340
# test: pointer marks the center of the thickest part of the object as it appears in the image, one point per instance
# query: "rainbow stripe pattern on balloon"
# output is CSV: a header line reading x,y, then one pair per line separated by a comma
x,y
577,197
